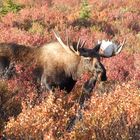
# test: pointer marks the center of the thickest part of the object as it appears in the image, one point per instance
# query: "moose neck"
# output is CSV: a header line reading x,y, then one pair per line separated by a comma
x,y
79,69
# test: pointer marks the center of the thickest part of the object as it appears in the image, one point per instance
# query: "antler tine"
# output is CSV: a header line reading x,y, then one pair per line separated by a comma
x,y
78,43
67,38
56,34
77,47
77,51
122,44
71,47
68,48
83,44
61,42
120,47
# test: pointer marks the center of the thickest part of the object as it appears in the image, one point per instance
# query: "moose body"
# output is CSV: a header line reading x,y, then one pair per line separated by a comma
x,y
63,69
56,64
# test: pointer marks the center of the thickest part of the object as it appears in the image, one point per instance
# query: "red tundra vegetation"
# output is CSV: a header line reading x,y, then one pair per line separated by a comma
x,y
112,111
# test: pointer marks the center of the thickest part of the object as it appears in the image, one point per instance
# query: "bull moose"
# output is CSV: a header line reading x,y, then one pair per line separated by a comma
x,y
58,64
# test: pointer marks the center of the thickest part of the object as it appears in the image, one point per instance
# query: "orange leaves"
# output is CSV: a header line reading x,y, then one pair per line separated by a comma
x,y
107,116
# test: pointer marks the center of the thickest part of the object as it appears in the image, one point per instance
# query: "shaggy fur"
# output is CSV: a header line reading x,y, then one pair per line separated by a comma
x,y
54,66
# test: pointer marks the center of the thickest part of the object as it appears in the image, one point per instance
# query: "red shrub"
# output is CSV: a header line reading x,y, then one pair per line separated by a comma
x,y
120,67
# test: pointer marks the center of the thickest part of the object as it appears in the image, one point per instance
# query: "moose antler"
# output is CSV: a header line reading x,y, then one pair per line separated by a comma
x,y
120,47
108,48
61,42
69,48
83,44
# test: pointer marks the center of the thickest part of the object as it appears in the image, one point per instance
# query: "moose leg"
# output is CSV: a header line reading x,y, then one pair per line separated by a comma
x,y
10,71
7,68
4,64
101,69
37,74
90,84
44,83
87,88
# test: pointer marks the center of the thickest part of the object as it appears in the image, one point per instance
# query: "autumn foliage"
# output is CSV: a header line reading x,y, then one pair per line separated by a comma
x,y
113,110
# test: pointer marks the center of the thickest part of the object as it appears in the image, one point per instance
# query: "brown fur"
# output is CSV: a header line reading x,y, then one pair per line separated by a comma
x,y
17,53
54,66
